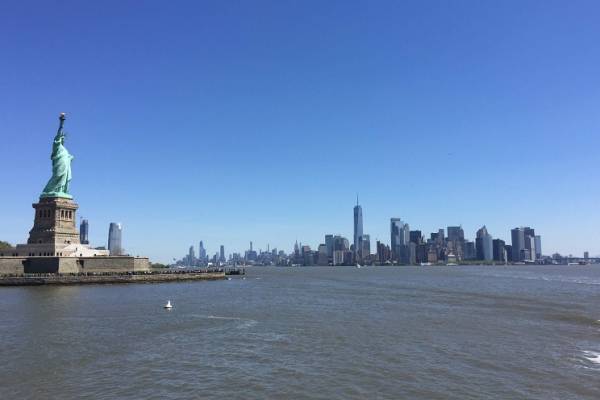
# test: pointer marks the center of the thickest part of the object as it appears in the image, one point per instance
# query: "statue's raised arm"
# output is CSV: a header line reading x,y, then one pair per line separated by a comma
x,y
58,185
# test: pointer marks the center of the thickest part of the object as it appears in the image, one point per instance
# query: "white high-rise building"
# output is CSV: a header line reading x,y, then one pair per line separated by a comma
x,y
114,239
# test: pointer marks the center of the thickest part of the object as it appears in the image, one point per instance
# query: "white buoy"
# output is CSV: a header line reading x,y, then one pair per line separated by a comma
x,y
168,305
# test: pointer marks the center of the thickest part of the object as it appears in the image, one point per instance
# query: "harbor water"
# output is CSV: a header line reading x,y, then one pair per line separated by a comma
x,y
467,332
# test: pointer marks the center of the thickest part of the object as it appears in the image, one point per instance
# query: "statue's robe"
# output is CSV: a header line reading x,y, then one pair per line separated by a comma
x,y
61,169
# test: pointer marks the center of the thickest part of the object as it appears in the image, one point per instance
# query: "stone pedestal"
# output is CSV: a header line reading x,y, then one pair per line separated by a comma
x,y
54,222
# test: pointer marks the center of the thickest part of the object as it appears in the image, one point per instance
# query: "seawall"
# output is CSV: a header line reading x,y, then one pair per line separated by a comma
x,y
58,279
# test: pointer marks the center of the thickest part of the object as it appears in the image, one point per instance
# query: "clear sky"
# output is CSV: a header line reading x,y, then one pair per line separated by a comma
x,y
231,121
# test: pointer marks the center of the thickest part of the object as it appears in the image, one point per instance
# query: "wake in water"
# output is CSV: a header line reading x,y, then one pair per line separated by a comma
x,y
245,323
592,356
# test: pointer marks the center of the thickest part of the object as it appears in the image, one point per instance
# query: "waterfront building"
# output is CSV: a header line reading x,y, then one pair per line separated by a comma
x,y
432,256
399,239
322,257
395,240
358,230
83,232
201,252
586,255
412,253
530,247
508,252
529,239
455,241
469,252
115,233
191,258
365,247
499,251
383,253
538,247
222,253
329,245
421,256
518,244
484,245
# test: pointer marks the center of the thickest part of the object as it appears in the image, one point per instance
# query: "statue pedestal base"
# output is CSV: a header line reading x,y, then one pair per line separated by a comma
x,y
54,222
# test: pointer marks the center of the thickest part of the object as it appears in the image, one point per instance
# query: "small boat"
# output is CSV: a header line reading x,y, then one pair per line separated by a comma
x,y
168,306
358,266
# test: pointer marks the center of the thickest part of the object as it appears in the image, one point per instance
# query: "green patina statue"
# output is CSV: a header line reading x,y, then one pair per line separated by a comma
x,y
58,185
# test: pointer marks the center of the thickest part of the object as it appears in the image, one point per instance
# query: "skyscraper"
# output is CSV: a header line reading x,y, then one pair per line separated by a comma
x,y
517,236
115,231
83,232
538,247
416,237
399,240
529,248
395,240
358,229
329,244
201,252
499,250
365,246
529,236
222,253
484,245
191,256
456,233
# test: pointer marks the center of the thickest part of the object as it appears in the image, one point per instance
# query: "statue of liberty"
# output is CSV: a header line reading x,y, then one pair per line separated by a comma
x,y
58,185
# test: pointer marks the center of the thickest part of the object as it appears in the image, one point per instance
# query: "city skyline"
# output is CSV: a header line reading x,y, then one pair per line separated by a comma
x,y
233,124
406,246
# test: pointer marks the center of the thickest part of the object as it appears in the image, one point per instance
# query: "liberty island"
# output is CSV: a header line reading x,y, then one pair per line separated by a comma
x,y
54,249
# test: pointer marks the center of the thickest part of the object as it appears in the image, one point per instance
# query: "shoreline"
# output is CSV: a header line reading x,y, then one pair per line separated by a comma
x,y
56,279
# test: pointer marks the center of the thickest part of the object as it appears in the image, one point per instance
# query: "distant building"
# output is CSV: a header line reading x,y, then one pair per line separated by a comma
x,y
529,236
396,225
201,252
322,257
509,252
586,255
499,251
470,252
538,247
365,247
517,236
484,245
456,233
191,258
383,253
329,245
399,240
115,232
530,247
358,230
341,249
456,241
416,237
222,253
83,232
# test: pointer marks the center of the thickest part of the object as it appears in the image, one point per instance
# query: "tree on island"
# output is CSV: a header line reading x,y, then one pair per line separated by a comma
x,y
4,245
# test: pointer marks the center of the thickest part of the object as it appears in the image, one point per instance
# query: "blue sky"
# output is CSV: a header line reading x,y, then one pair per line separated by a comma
x,y
261,120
